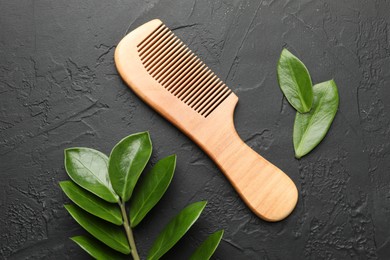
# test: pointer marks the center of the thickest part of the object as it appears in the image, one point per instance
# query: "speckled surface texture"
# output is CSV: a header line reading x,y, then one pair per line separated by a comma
x,y
59,88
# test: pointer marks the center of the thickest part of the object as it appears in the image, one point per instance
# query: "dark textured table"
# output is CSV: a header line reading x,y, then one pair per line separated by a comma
x,y
59,88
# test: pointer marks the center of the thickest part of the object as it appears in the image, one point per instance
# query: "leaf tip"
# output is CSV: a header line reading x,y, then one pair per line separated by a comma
x,y
63,184
173,157
68,207
68,150
286,54
299,155
285,50
147,134
203,203
75,238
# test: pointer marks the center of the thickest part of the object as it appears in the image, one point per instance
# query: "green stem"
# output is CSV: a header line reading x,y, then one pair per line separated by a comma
x,y
129,232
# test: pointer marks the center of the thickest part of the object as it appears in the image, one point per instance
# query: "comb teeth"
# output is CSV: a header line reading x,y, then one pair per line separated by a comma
x,y
168,60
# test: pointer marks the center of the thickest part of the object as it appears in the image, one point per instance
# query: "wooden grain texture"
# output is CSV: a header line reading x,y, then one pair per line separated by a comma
x,y
267,190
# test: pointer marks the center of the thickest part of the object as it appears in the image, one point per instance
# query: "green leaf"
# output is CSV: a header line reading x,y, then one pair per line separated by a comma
x,y
311,128
151,189
176,229
96,249
127,161
88,168
294,81
92,204
111,235
208,247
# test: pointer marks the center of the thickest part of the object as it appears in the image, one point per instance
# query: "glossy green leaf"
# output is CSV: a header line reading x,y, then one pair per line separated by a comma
x,y
111,235
96,249
176,229
88,168
91,203
208,247
151,189
294,81
127,161
311,128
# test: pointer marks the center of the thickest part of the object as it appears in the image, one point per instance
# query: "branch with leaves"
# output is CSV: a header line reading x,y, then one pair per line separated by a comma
x,y
108,204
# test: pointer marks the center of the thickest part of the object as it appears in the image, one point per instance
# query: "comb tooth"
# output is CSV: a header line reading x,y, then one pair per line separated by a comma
x,y
157,50
195,92
178,81
152,40
152,63
175,73
200,74
221,98
153,47
170,63
194,83
180,74
208,99
145,41
188,54
162,53
204,89
168,57
206,93
177,65
215,101
181,82
190,75
169,53
194,73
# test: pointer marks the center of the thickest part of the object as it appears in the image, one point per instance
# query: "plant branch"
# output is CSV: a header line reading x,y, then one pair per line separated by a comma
x,y
129,232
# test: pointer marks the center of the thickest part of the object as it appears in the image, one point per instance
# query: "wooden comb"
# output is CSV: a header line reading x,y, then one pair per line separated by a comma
x,y
165,74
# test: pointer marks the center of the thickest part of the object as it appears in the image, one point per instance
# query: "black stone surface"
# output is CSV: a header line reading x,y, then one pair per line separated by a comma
x,y
59,88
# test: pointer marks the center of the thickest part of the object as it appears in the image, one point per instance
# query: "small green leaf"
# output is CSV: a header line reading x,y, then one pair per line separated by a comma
x,y
208,247
176,229
88,168
112,236
92,204
151,189
127,161
294,81
311,128
96,249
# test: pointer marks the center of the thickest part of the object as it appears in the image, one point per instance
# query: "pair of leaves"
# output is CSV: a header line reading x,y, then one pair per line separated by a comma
x,y
316,105
175,230
107,177
171,235
178,227
112,236
100,181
